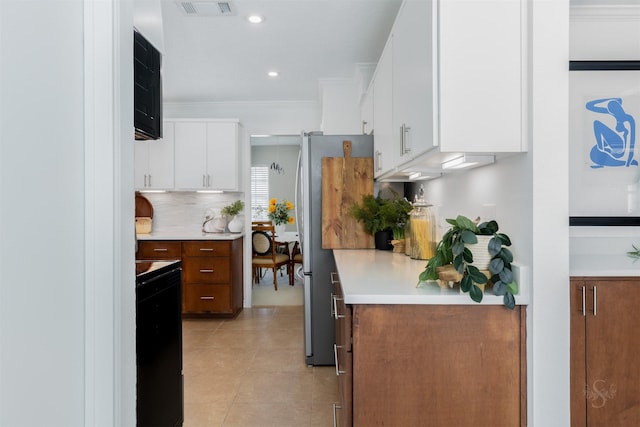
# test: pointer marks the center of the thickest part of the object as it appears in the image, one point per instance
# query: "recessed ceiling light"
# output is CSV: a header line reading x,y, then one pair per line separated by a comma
x,y
273,74
255,19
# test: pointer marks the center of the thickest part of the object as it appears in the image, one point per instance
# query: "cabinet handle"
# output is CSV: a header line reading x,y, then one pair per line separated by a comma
x,y
206,271
595,300
584,302
403,140
206,249
333,275
160,249
204,182
335,357
207,298
335,307
149,180
145,179
208,180
378,161
364,127
335,418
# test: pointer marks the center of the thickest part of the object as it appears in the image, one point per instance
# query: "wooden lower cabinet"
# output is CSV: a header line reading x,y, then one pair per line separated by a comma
x,y
342,411
605,344
435,365
212,273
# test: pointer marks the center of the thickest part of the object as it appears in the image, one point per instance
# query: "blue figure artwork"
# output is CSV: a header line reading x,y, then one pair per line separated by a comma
x,y
614,146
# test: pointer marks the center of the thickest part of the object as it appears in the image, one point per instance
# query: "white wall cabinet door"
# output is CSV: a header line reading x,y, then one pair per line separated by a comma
x,y
481,75
206,155
413,89
191,155
385,153
366,112
222,156
154,164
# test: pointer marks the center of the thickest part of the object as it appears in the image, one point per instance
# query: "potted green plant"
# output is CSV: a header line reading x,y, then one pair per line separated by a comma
x,y
454,250
382,218
231,212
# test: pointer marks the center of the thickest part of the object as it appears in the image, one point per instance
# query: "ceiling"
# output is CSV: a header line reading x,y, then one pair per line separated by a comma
x,y
225,58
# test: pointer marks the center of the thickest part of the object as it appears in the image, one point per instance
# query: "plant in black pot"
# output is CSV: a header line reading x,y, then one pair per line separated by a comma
x,y
382,218
455,249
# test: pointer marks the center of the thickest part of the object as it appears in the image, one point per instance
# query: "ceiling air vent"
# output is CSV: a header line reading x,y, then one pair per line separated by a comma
x,y
206,8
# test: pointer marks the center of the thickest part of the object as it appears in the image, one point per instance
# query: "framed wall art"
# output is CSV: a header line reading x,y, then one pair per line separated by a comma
x,y
604,152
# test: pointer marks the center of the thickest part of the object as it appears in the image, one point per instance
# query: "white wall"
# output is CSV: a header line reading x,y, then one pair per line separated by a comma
x,y
273,118
41,282
605,33
281,184
340,107
67,315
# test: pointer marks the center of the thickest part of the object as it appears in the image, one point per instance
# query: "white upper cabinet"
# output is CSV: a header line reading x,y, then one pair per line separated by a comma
x,y
154,162
385,155
481,78
366,112
451,77
206,155
413,80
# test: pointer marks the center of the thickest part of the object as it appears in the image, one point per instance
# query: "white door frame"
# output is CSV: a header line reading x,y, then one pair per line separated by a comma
x,y
110,368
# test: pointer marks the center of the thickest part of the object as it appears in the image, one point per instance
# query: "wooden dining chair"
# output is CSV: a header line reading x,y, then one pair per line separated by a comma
x,y
268,252
296,258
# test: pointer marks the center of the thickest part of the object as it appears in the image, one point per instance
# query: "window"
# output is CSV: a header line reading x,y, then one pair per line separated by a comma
x,y
259,192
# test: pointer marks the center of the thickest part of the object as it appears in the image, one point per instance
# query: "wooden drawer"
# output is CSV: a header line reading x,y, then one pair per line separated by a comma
x,y
200,298
206,270
159,249
210,248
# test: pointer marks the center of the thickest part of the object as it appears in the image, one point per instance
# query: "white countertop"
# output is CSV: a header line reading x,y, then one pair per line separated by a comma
x,y
603,265
603,256
370,276
187,234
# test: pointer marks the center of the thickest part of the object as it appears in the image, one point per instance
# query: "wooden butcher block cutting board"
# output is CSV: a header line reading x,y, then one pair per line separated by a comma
x,y
344,181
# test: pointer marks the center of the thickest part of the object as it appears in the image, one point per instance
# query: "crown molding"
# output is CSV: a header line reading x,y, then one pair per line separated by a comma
x,y
591,13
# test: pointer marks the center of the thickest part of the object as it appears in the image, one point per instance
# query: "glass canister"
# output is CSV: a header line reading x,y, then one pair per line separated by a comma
x,y
407,236
422,231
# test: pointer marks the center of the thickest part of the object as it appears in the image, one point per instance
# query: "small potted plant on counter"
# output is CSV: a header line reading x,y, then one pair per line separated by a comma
x,y
455,254
383,218
232,211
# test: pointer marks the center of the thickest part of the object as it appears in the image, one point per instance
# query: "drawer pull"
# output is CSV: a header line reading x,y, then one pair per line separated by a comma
x,y
160,249
207,298
206,249
335,418
335,356
334,278
335,307
206,271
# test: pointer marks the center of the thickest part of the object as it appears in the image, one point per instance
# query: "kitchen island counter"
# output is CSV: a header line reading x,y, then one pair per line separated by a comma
x,y
370,276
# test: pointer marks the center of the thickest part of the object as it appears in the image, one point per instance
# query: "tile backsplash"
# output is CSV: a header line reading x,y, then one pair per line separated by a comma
x,y
184,210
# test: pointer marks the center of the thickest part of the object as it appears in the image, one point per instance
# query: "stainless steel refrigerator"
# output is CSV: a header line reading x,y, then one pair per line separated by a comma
x,y
318,263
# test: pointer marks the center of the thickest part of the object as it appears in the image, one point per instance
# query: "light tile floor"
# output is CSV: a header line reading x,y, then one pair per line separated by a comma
x,y
250,372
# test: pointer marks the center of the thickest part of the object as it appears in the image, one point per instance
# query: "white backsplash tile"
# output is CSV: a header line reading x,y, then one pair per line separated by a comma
x,y
185,210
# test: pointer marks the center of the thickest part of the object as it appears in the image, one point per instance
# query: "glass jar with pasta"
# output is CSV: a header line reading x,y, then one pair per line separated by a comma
x,y
422,231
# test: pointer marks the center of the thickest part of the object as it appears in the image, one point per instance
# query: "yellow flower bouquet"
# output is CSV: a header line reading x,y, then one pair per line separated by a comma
x,y
279,212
